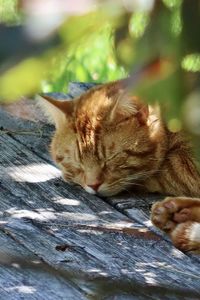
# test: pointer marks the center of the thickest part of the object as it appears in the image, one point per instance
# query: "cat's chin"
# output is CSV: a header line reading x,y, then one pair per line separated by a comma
x,y
90,190
101,193
107,193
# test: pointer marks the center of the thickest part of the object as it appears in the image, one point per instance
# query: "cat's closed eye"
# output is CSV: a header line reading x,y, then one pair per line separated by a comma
x,y
106,141
59,158
92,134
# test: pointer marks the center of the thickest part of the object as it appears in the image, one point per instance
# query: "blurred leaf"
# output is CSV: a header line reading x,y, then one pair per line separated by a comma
x,y
9,12
76,29
23,79
191,62
161,82
172,3
138,24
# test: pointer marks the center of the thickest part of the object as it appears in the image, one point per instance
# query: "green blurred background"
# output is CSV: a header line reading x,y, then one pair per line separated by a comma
x,y
92,60
46,44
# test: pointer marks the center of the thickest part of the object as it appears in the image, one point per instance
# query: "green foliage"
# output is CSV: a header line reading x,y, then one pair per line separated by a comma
x,y
191,62
93,60
8,12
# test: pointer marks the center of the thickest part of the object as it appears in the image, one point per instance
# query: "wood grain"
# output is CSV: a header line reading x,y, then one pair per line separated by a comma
x,y
86,246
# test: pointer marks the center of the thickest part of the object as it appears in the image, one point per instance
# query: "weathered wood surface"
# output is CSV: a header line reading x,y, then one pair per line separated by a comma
x,y
58,242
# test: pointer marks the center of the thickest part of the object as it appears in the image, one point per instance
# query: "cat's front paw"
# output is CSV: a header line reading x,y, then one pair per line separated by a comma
x,y
180,218
162,214
174,210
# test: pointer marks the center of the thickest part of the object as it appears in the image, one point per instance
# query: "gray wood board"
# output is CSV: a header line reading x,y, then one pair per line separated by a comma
x,y
25,276
102,243
95,234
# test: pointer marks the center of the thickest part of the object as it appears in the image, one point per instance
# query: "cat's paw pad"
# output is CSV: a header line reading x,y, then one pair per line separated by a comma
x,y
180,218
162,214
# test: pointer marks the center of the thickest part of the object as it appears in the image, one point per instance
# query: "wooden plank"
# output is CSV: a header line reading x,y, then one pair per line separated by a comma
x,y
134,269
137,207
102,241
24,276
34,135
44,214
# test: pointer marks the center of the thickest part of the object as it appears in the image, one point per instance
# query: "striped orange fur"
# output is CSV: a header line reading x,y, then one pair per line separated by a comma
x,y
107,140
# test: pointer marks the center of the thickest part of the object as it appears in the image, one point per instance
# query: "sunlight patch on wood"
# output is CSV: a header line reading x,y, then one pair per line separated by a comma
x,y
24,213
25,289
177,253
66,201
33,172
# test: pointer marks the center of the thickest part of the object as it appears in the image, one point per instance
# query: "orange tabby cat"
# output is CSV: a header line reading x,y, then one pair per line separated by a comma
x,y
107,141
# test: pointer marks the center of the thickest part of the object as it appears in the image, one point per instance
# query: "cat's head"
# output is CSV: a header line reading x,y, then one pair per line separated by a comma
x,y
102,140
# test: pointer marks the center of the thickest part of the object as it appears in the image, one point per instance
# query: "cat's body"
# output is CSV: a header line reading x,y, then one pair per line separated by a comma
x,y
107,141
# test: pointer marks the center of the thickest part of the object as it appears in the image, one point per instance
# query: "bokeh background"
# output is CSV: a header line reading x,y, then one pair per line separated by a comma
x,y
46,44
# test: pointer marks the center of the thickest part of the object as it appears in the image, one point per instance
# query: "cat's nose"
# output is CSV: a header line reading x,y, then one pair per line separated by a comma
x,y
95,186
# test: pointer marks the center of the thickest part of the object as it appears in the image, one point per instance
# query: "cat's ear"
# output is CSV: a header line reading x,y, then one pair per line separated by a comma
x,y
57,111
127,106
122,105
142,113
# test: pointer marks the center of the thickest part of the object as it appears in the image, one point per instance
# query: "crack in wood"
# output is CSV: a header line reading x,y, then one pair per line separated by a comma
x,y
142,233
